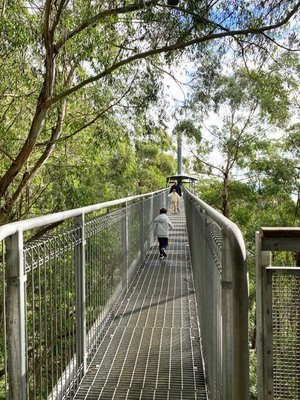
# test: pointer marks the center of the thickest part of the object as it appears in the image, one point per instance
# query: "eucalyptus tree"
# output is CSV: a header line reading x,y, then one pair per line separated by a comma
x,y
66,63
256,105
273,164
231,137
153,159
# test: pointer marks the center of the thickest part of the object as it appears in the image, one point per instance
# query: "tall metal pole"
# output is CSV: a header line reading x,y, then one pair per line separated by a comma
x,y
179,153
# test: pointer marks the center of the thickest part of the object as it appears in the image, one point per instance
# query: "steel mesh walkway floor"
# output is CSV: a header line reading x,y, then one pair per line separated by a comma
x,y
152,348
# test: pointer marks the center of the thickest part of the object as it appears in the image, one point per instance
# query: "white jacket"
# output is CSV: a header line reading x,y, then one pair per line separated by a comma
x,y
161,226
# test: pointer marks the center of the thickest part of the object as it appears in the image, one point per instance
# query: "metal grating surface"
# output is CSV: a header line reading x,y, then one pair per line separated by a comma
x,y
286,338
152,347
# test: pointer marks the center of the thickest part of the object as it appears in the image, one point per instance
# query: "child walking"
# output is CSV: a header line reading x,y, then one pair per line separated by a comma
x,y
162,224
174,200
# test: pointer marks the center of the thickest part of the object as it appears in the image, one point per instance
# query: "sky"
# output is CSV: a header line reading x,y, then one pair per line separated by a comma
x,y
176,95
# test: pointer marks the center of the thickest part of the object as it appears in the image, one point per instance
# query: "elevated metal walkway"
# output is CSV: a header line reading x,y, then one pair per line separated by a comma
x,y
151,350
90,312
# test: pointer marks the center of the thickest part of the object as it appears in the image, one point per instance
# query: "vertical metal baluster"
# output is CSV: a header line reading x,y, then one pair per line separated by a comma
x,y
40,333
55,317
4,317
101,270
125,248
16,322
69,310
142,225
80,296
64,303
46,316
72,343
52,341
33,329
89,287
263,260
97,276
61,311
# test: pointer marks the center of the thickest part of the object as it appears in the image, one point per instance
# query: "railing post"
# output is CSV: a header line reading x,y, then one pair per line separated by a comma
x,y
16,317
81,354
227,323
125,248
235,316
150,221
263,260
142,233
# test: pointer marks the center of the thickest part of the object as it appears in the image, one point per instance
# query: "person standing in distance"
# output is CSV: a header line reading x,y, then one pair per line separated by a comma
x,y
178,190
174,196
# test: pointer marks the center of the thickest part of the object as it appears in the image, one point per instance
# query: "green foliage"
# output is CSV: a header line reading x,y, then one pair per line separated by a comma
x,y
153,163
80,85
70,67
189,130
269,89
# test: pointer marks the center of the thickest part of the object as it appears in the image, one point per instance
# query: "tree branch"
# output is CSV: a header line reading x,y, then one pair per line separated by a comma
x,y
278,44
43,158
6,153
207,163
170,48
91,122
100,16
61,6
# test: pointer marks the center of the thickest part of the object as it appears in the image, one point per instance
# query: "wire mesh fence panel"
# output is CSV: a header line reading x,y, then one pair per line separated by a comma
x,y
50,300
221,285
286,334
278,313
103,271
206,261
148,211
134,231
3,344
63,288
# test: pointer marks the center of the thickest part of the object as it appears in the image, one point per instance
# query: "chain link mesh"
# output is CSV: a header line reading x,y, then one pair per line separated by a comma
x,y
286,335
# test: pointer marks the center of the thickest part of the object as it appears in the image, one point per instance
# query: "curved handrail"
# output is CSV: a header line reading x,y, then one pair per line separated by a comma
x,y
223,222
32,223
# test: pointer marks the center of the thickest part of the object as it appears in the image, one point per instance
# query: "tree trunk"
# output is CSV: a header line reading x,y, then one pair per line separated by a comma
x,y
225,196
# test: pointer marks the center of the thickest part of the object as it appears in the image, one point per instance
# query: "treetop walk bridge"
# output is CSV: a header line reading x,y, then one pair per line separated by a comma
x,y
90,312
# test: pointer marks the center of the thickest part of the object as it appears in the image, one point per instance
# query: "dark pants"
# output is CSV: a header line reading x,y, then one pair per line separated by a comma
x,y
163,244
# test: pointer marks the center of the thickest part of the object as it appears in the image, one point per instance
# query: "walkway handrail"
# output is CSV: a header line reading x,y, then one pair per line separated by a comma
x,y
220,272
32,223
58,289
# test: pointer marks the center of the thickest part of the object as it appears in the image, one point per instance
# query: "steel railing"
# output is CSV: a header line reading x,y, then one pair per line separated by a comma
x,y
221,284
278,314
57,290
